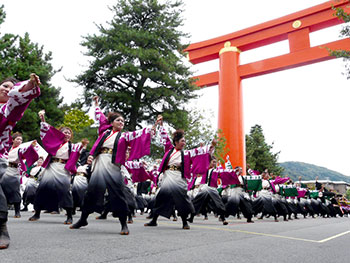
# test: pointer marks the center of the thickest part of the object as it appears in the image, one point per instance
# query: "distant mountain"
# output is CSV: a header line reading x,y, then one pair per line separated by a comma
x,y
310,171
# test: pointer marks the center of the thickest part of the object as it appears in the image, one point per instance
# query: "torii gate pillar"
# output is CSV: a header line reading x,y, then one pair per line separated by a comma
x,y
230,96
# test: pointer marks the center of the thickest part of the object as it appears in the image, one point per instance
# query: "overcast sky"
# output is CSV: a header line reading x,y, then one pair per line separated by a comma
x,y
304,111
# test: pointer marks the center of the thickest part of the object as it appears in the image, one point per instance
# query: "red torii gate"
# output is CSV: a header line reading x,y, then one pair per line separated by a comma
x,y
295,27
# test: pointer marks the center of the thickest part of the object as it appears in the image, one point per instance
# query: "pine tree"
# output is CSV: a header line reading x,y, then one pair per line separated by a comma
x,y
259,154
137,64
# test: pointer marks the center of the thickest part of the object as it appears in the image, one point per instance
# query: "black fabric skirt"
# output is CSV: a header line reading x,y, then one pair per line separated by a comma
x,y
79,187
54,189
239,201
208,196
30,191
11,182
263,204
106,176
306,203
173,193
280,206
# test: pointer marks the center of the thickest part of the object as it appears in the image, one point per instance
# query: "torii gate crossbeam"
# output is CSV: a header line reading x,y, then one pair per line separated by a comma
x,y
295,28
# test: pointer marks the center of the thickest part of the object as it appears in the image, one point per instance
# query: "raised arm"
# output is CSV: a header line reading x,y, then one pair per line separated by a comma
x,y
100,117
158,122
42,115
19,98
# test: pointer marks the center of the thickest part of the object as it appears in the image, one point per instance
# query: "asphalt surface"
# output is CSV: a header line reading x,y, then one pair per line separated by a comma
x,y
302,240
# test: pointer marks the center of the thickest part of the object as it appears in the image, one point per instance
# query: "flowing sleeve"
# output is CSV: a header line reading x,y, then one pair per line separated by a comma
x,y
200,159
280,180
51,138
228,177
165,140
301,192
139,142
18,102
71,164
139,174
30,155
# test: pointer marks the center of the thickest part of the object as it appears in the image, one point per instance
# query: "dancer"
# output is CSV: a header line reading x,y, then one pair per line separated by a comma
x,y
109,152
54,188
176,166
238,199
11,181
14,99
208,193
263,203
32,184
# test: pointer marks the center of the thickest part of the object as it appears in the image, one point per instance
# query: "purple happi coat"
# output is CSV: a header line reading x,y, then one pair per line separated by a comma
x,y
154,175
228,177
137,171
52,140
29,154
301,192
276,181
211,178
12,111
139,141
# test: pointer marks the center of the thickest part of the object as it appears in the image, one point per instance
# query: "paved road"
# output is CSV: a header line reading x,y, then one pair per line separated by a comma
x,y
303,240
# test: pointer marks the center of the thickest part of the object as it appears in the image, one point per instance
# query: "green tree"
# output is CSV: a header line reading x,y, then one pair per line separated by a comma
x,y
77,120
137,63
20,57
345,32
259,154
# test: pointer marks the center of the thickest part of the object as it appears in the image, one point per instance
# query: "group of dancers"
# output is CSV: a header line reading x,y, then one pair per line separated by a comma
x,y
186,183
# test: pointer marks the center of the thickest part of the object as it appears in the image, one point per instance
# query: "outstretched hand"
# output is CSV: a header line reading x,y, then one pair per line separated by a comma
x,y
33,82
159,120
42,115
95,99
84,142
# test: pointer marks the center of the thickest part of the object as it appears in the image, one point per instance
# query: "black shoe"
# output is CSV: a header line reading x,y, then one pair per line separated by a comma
x,y
186,226
124,230
17,215
151,223
34,218
79,224
4,236
24,209
69,221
